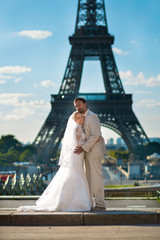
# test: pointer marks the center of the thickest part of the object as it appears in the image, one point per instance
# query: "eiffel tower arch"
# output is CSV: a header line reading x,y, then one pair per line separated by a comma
x,y
90,40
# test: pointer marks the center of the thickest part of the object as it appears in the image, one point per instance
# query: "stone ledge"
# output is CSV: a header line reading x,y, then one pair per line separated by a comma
x,y
5,218
121,218
46,219
14,218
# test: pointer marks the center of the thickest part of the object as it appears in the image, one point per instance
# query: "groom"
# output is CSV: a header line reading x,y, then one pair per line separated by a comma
x,y
94,150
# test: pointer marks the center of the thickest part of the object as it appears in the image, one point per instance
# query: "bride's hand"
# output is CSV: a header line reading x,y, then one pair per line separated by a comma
x,y
78,150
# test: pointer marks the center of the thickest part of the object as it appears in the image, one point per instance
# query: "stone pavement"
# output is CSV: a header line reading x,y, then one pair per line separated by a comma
x,y
123,219
81,232
108,217
128,212
110,203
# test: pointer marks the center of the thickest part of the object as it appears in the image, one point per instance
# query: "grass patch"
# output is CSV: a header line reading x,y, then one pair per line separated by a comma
x,y
158,200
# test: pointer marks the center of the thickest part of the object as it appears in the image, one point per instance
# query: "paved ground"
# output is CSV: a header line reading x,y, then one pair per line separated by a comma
x,y
132,204
147,232
110,204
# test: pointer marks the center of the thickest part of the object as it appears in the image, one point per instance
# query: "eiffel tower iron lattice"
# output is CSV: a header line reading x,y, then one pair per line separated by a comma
x,y
90,40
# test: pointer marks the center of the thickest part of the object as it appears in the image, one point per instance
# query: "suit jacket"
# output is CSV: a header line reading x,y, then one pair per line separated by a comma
x,y
92,129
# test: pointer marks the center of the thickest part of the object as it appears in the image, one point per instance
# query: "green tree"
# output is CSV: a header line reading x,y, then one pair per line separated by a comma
x,y
14,153
11,150
25,156
8,158
3,159
124,154
8,141
11,157
31,148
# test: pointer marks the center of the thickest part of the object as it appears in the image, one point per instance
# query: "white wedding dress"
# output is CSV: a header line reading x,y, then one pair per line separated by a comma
x,y
68,190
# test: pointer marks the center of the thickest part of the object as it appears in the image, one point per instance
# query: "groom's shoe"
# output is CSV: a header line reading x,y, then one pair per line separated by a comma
x,y
98,209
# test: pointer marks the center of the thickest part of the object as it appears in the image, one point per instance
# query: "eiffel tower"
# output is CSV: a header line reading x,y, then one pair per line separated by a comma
x,y
90,40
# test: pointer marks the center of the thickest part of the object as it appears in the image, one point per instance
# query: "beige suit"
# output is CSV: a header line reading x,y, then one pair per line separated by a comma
x,y
94,154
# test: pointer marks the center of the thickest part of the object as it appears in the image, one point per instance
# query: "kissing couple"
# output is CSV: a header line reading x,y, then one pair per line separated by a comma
x,y
78,184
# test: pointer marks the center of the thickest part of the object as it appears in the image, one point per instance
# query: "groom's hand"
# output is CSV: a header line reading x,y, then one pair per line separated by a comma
x,y
78,150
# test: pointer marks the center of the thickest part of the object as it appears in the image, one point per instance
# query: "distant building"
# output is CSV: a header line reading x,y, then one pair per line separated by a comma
x,y
119,161
119,143
136,170
26,167
110,141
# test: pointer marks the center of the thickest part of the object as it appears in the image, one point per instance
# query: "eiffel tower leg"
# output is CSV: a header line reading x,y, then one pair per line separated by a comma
x,y
72,76
117,115
133,133
51,133
48,139
110,73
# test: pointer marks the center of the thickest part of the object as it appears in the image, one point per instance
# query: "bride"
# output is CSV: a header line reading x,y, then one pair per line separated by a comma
x,y
68,190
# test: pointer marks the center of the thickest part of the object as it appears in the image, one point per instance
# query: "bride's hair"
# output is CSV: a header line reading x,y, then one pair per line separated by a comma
x,y
74,115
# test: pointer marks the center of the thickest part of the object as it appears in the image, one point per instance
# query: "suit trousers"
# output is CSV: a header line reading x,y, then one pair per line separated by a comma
x,y
94,176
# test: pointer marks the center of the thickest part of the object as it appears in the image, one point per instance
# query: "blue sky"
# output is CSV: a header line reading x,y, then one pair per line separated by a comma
x,y
34,50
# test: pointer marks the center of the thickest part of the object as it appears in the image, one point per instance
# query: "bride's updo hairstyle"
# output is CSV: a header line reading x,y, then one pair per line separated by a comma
x,y
74,115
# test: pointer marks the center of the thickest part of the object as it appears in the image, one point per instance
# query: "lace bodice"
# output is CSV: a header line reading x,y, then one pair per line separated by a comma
x,y
80,136
73,137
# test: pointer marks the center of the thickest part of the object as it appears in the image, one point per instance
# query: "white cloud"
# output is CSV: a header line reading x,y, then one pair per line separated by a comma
x,y
18,79
5,77
14,70
141,92
21,107
18,113
134,42
154,81
149,103
2,81
47,83
34,34
157,43
130,79
17,99
119,51
38,104
13,99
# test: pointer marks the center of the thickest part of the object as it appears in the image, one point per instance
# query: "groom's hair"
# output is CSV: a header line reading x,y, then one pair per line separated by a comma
x,y
80,99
